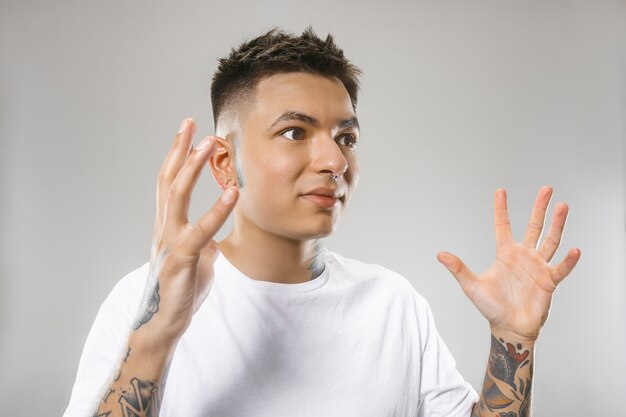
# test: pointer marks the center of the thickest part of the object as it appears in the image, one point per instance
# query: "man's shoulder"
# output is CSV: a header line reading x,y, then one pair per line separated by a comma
x,y
372,274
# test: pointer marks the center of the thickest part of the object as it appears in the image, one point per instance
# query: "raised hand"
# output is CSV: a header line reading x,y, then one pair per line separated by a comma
x,y
515,292
180,277
181,267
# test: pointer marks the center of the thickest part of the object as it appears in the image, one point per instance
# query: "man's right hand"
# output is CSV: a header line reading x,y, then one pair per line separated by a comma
x,y
181,273
181,265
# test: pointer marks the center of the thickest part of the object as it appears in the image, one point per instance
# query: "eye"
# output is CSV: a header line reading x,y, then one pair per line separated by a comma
x,y
347,139
294,133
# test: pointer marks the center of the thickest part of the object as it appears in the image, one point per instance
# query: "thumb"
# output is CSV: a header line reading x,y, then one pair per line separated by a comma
x,y
461,272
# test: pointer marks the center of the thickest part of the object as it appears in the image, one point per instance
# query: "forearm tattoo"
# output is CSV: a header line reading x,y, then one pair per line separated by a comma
x,y
150,307
505,392
141,399
151,299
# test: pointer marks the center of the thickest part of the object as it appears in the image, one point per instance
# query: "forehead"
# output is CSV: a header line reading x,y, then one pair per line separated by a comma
x,y
324,98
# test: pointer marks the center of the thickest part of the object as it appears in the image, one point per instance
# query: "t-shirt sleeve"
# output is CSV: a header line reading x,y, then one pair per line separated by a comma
x,y
105,344
443,391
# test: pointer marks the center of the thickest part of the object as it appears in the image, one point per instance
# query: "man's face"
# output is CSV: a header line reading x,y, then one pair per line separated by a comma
x,y
297,155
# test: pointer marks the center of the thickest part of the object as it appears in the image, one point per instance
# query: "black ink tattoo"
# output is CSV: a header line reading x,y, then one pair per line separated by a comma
x,y
317,265
142,402
151,308
106,397
493,397
127,355
105,414
508,414
151,299
504,360
524,409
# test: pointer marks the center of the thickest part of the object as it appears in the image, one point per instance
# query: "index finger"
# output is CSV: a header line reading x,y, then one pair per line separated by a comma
x,y
173,162
501,218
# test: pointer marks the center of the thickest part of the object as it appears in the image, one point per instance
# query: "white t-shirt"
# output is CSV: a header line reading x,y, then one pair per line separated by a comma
x,y
356,341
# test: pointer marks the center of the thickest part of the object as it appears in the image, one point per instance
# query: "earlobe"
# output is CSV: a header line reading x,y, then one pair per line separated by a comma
x,y
222,162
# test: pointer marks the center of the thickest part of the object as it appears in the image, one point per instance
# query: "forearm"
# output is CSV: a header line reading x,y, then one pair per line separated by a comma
x,y
137,387
508,380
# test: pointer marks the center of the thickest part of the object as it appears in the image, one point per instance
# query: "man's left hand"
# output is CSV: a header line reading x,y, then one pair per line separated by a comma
x,y
515,292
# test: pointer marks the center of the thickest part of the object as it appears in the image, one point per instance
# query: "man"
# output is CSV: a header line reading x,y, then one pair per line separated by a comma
x,y
266,322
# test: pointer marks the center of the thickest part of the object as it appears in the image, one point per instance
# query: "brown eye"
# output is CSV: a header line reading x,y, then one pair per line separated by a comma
x,y
348,140
293,134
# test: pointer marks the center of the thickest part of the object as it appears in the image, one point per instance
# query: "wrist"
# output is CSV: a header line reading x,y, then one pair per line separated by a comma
x,y
511,336
152,345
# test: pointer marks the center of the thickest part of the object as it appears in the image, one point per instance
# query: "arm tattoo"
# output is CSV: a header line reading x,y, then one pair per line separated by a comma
x,y
106,397
503,362
151,307
143,401
524,409
494,398
151,299
504,388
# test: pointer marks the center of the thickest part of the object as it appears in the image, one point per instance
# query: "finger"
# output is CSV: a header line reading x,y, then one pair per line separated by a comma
x,y
537,217
461,272
172,164
501,218
551,243
210,223
564,267
179,195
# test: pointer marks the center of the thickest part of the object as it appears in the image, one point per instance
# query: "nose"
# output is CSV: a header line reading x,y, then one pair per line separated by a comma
x,y
327,157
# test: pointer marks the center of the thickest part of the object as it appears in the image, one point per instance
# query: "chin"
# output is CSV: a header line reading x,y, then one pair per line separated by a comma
x,y
319,231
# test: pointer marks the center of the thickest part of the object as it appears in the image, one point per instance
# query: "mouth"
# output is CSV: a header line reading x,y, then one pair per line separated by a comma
x,y
324,197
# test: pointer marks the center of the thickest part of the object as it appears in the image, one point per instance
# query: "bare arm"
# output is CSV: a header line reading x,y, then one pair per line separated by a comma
x,y
180,278
515,295
507,387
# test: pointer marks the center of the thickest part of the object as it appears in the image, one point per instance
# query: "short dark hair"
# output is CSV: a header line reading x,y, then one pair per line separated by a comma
x,y
279,52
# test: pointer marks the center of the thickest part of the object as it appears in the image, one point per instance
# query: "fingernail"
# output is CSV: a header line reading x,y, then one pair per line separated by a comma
x,y
183,126
204,143
228,196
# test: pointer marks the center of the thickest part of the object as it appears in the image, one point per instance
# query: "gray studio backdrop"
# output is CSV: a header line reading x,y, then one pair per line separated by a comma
x,y
458,99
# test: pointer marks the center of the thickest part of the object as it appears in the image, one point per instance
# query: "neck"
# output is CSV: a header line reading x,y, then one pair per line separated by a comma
x,y
269,257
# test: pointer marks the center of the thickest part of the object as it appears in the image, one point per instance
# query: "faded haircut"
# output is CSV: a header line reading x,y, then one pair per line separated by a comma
x,y
278,52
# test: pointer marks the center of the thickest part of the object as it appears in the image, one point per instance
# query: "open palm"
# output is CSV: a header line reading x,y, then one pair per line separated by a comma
x,y
515,292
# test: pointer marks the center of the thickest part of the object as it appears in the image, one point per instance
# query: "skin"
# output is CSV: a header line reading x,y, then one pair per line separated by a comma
x,y
514,294
294,136
283,156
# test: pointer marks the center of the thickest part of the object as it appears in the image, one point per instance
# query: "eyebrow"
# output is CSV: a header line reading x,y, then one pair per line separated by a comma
x,y
351,122
294,115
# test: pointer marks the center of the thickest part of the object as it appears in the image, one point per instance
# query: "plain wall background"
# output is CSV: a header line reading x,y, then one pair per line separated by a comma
x,y
458,99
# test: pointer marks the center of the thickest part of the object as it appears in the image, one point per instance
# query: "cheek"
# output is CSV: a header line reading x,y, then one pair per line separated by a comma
x,y
352,176
274,173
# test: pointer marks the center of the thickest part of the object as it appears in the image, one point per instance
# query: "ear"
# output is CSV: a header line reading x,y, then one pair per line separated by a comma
x,y
222,163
